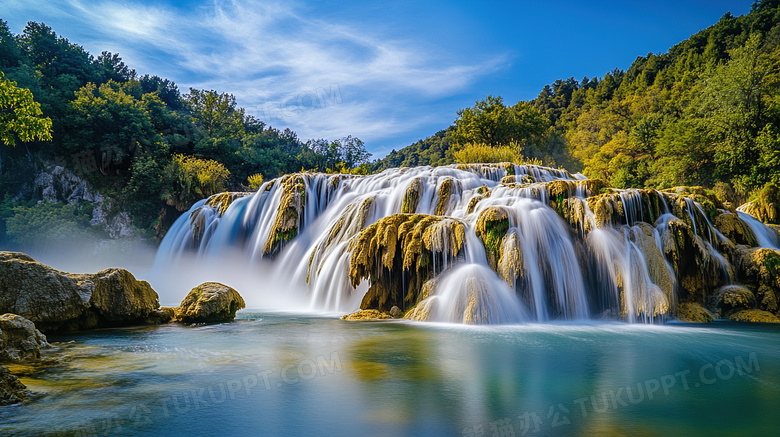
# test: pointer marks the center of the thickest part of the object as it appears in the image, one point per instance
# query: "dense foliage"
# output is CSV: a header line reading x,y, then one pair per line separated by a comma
x,y
707,111
135,138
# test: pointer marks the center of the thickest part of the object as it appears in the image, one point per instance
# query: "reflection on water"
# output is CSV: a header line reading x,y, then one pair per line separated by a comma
x,y
277,374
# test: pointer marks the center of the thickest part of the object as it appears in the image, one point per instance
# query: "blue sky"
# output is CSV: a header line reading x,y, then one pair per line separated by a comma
x,y
388,72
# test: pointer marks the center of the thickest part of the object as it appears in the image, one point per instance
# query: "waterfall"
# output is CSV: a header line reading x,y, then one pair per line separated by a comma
x,y
476,243
764,234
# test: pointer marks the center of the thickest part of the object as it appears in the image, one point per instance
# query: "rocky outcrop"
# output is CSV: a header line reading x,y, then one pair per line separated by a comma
x,y
766,206
12,391
734,298
19,340
412,196
368,315
210,302
399,253
755,316
693,313
60,301
288,215
735,229
58,184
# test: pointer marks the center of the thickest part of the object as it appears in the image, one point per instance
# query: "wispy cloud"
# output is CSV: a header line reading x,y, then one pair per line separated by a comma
x,y
264,52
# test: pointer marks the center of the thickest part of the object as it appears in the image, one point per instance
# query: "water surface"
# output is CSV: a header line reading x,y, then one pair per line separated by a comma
x,y
284,374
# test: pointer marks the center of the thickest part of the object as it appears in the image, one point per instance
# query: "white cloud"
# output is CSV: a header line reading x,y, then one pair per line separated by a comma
x,y
266,52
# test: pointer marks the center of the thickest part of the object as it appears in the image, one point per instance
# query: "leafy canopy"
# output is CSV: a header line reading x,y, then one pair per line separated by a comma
x,y
20,116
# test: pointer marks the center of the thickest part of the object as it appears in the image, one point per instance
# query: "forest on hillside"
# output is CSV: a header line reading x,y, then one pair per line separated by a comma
x,y
135,138
705,112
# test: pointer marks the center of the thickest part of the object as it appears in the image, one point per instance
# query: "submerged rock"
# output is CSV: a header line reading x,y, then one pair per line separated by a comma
x,y
161,316
60,301
19,340
12,391
210,302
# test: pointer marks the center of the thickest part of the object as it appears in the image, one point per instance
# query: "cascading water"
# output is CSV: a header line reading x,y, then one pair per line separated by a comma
x,y
478,243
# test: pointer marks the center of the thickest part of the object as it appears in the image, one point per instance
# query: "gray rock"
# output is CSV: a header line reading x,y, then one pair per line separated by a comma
x,y
12,391
59,301
19,340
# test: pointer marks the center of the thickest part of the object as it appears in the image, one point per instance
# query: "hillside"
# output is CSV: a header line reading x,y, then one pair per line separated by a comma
x,y
148,149
707,111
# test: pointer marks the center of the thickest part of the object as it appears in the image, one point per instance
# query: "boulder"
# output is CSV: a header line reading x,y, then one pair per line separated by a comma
x,y
161,316
735,229
19,340
733,298
370,315
755,316
60,301
12,391
760,266
693,313
210,302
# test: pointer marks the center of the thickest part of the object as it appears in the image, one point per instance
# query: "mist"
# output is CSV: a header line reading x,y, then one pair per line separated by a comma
x,y
256,280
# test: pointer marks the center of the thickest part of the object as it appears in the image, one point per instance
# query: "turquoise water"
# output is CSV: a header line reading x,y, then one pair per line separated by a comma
x,y
282,374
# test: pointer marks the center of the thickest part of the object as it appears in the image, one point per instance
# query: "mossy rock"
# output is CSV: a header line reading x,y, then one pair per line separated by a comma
x,y
60,301
289,214
398,254
448,187
12,391
767,299
766,206
412,196
368,315
222,201
643,237
754,316
733,298
210,302
492,225
693,313
760,266
735,229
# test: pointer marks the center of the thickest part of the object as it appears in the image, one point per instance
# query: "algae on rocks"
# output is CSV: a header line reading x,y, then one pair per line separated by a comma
x,y
399,253
210,302
288,215
59,301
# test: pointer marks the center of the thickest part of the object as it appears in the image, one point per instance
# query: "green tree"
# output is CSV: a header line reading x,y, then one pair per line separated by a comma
x,y
492,123
216,113
10,56
189,179
109,122
111,67
488,122
734,105
20,116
